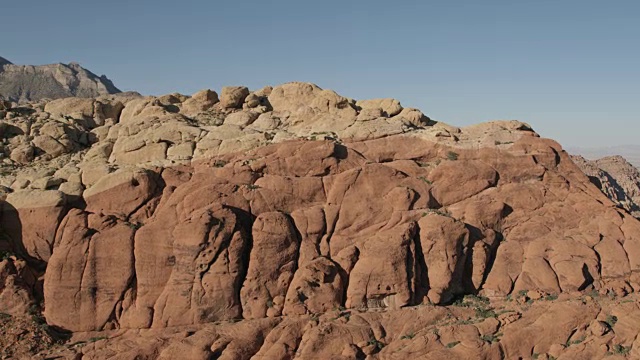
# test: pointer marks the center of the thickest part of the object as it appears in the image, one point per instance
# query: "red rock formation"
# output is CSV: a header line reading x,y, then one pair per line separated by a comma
x,y
318,249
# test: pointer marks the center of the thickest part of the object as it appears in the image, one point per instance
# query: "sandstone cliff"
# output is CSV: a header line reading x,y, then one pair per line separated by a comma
x,y
292,222
24,83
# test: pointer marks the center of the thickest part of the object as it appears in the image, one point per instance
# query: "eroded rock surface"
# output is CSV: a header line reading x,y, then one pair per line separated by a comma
x,y
292,222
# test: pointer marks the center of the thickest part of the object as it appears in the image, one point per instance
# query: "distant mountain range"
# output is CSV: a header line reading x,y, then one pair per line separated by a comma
x,y
25,83
629,152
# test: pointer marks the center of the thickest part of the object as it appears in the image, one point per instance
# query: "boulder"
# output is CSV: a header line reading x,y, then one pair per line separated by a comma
x,y
388,107
30,219
233,96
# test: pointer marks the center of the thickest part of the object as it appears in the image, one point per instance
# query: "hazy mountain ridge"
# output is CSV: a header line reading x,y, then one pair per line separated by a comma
x,y
26,83
630,152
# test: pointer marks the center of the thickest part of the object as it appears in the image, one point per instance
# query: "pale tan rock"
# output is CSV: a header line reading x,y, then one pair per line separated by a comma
x,y
241,118
233,96
206,96
201,101
145,154
297,98
183,151
172,99
50,146
23,154
388,107
46,183
75,108
72,188
92,173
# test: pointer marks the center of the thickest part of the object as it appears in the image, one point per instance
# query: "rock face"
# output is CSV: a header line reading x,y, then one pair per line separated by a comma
x,y
291,222
24,83
617,178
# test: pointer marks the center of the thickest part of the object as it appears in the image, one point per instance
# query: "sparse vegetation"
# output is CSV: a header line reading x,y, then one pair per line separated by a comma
x,y
437,212
219,163
594,294
485,313
375,343
248,161
135,225
315,317
408,336
98,338
551,297
621,350
343,314
426,180
451,345
36,316
452,156
492,338
580,340
5,254
252,186
611,320
481,305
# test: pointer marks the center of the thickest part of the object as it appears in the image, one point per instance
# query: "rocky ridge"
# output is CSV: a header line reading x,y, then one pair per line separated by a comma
x,y
292,222
27,83
617,178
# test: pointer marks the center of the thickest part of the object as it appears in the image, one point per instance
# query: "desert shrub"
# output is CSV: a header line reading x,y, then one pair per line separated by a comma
x,y
611,320
452,155
409,336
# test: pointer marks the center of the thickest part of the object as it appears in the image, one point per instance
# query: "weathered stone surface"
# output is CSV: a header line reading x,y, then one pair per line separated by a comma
x,y
30,219
387,107
94,255
272,264
233,96
292,222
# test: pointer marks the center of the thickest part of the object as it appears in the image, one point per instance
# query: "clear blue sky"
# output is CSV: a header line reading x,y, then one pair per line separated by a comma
x,y
571,68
